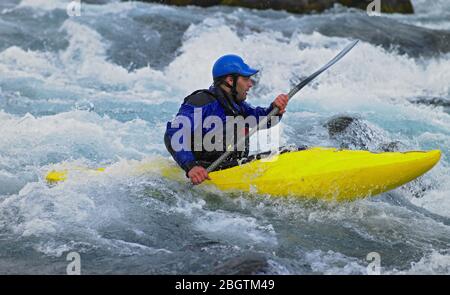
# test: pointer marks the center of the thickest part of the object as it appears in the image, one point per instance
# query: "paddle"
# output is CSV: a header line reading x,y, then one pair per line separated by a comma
x,y
275,110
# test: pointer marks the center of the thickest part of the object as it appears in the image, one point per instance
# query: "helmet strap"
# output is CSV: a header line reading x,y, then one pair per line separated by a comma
x,y
232,87
234,92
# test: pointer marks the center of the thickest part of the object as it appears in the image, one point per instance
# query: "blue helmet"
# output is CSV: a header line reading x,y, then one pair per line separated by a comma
x,y
232,64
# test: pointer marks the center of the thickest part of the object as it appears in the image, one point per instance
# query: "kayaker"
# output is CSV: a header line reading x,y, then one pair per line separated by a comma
x,y
225,100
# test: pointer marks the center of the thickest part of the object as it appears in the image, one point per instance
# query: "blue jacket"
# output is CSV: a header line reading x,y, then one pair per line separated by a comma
x,y
211,102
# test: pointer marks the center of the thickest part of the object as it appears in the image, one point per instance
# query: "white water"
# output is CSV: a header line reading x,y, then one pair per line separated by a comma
x,y
75,107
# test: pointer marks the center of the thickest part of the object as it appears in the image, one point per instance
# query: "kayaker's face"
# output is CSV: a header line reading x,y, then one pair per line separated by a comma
x,y
243,85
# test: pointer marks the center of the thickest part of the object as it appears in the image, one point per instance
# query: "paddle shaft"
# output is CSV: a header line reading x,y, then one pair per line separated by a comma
x,y
275,110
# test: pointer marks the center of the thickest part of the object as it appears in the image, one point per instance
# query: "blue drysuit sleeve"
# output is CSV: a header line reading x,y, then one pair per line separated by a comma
x,y
179,135
259,113
181,131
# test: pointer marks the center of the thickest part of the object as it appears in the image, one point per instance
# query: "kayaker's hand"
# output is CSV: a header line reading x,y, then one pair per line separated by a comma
x,y
281,102
198,174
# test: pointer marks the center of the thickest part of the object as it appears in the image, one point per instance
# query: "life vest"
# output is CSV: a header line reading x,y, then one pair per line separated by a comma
x,y
203,97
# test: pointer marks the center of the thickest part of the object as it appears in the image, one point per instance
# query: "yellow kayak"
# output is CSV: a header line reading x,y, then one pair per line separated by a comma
x,y
319,173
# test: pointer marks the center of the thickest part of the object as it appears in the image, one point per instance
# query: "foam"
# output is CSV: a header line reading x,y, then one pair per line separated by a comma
x,y
431,263
332,263
230,227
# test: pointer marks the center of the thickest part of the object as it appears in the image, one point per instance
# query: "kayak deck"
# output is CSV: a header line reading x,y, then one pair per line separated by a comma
x,y
326,173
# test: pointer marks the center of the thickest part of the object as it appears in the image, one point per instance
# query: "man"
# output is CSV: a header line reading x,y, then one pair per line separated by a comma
x,y
225,100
